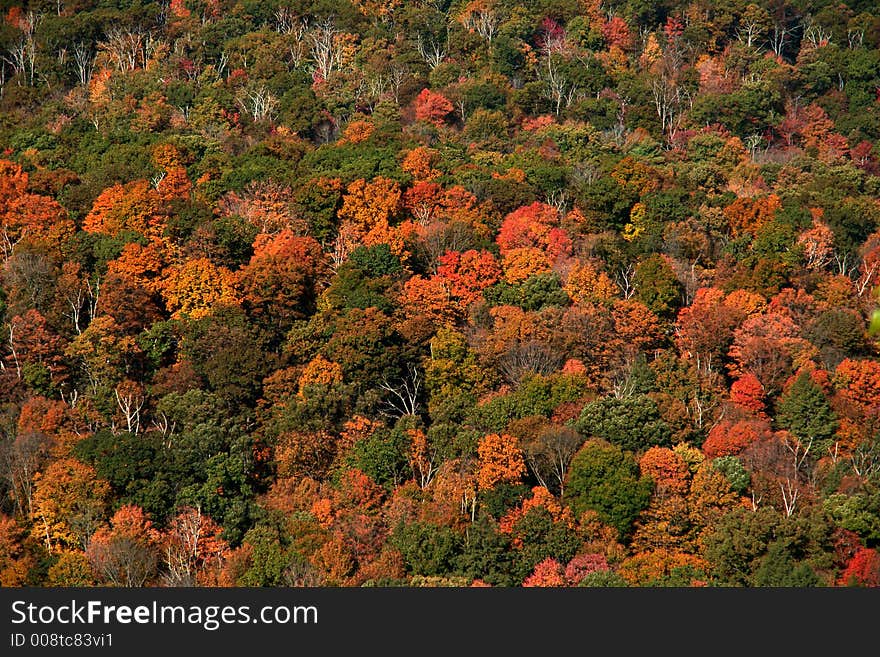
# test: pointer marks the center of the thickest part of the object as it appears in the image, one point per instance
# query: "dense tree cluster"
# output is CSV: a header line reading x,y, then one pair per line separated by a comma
x,y
373,292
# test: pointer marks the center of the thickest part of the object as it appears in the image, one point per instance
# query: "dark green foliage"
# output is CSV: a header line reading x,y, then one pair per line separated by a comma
x,y
135,468
427,549
534,293
376,261
805,411
486,554
384,456
542,538
605,479
657,286
536,395
229,354
778,568
504,496
838,334
269,558
633,423
766,548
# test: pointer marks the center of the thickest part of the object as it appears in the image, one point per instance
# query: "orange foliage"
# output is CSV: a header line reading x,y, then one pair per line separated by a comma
x,y
35,219
140,266
69,502
522,262
858,382
770,347
635,175
367,204
14,562
126,553
319,372
500,460
636,328
749,215
368,210
175,184
468,273
39,414
305,453
419,163
431,298
540,498
357,132
617,33
586,284
196,287
534,226
730,437
134,206
668,470
818,245
13,182
356,490
267,205
280,281
645,567
356,429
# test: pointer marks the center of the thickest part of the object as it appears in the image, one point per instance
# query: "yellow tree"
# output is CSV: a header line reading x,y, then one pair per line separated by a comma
x,y
196,287
70,502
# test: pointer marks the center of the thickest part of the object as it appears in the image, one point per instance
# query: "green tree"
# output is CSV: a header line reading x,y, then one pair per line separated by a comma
x,y
633,423
805,411
656,285
604,478
427,549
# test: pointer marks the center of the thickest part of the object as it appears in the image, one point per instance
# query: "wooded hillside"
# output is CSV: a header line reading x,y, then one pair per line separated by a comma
x,y
331,293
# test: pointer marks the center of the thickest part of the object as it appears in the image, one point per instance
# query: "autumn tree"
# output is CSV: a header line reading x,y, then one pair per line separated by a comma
x,y
281,281
15,562
193,550
194,288
432,107
69,504
500,460
126,553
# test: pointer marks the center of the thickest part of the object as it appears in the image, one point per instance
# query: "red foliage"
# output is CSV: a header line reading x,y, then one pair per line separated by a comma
x,y
863,569
548,573
582,565
732,437
432,107
468,274
748,392
535,226
617,33
704,329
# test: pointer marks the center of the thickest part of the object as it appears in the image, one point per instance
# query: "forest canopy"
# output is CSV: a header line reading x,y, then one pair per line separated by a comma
x,y
386,293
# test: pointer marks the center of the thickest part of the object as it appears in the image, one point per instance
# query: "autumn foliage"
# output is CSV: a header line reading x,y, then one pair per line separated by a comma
x,y
567,294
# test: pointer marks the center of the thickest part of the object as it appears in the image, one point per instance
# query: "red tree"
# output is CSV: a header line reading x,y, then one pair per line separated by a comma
x,y
432,107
